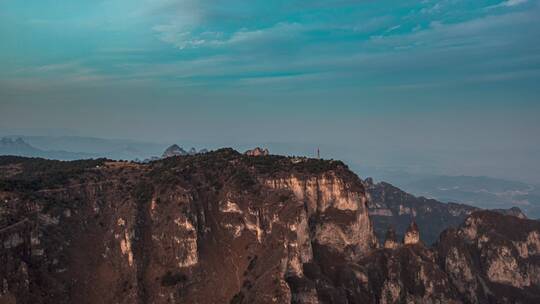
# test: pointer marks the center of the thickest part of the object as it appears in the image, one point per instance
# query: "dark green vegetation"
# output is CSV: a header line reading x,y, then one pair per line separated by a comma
x,y
240,168
37,173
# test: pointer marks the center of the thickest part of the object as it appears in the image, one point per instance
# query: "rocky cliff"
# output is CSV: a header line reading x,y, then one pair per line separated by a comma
x,y
211,228
390,206
223,227
490,258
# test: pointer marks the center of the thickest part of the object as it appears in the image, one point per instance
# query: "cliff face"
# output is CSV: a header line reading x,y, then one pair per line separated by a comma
x,y
493,257
490,258
222,227
338,212
213,228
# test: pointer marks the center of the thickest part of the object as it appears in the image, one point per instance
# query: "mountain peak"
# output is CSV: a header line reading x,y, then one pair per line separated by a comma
x,y
174,150
412,236
390,239
8,141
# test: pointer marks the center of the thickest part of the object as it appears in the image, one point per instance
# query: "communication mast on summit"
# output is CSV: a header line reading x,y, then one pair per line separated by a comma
x,y
318,153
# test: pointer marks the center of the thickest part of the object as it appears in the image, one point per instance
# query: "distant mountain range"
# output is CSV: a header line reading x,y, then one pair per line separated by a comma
x,y
96,147
74,147
480,191
19,147
390,206
176,150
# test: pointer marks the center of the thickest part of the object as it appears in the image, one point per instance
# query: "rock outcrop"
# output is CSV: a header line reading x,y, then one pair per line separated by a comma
x,y
390,241
257,152
412,235
514,211
174,150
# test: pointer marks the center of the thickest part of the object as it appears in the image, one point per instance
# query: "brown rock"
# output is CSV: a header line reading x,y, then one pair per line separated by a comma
x,y
390,241
257,152
412,235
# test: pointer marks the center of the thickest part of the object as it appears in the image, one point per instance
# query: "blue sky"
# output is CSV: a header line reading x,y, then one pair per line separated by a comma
x,y
417,77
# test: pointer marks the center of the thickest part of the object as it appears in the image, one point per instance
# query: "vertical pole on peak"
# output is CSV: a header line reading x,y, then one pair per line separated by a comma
x,y
318,153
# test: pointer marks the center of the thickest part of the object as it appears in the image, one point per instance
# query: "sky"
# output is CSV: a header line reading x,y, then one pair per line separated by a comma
x,y
447,86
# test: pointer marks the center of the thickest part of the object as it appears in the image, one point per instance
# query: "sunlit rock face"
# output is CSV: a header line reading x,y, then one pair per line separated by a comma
x,y
390,240
339,213
257,152
412,235
493,258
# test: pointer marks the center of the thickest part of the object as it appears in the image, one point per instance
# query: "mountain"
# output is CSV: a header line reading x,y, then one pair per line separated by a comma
x,y
10,146
490,258
108,148
392,207
78,147
19,147
223,227
479,191
174,150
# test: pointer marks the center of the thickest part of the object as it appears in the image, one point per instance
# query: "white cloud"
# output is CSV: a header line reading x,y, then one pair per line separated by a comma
x,y
183,39
508,3
431,10
64,72
513,2
267,52
393,28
